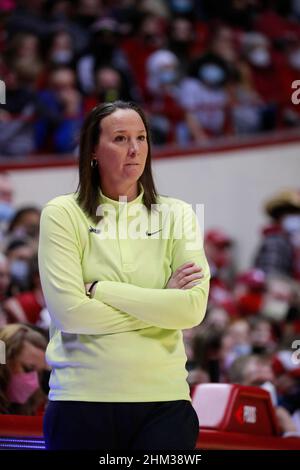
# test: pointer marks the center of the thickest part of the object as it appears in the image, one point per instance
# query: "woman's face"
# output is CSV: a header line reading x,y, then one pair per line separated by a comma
x,y
30,358
122,149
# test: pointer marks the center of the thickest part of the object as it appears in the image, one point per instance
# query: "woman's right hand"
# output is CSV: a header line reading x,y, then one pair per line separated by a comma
x,y
185,277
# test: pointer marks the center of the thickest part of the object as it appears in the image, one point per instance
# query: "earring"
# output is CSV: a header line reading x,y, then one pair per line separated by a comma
x,y
94,163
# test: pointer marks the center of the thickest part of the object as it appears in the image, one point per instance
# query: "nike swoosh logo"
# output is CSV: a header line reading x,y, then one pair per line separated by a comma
x,y
94,230
153,233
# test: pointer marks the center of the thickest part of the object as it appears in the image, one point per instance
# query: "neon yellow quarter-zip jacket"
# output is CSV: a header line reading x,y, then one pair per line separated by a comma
x,y
124,344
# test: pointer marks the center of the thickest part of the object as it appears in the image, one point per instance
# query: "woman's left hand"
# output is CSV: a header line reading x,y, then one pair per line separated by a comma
x,y
88,285
185,277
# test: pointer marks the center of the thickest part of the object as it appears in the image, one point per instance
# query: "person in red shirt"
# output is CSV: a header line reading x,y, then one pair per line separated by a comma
x,y
249,292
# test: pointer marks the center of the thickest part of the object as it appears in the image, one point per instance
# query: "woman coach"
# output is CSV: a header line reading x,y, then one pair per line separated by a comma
x,y
119,297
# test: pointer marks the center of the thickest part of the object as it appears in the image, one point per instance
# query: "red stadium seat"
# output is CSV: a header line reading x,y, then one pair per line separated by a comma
x,y
237,417
235,408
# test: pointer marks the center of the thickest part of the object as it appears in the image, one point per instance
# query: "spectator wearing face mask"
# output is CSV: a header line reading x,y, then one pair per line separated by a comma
x,y
278,298
28,306
168,120
23,373
239,331
253,370
204,96
258,54
19,252
236,342
279,250
62,49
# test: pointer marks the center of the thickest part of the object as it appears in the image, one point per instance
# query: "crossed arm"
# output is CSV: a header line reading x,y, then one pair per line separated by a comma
x,y
116,306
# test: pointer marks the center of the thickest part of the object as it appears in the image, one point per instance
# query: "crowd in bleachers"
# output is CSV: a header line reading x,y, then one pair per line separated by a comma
x,y
200,68
251,332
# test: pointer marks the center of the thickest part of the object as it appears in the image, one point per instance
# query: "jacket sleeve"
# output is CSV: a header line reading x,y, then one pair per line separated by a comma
x,y
59,257
166,308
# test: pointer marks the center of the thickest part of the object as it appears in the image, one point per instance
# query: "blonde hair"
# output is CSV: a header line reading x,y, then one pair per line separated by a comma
x,y
14,337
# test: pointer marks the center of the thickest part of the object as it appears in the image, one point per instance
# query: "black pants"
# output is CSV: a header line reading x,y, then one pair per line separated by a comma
x,y
167,425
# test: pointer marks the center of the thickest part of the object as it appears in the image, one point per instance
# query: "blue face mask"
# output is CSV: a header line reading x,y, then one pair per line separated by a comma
x,y
6,211
291,223
181,6
19,270
242,349
167,76
212,74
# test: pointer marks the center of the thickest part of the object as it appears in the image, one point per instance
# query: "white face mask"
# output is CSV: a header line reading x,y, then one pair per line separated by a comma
x,y
242,349
291,223
212,74
260,57
275,309
294,59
